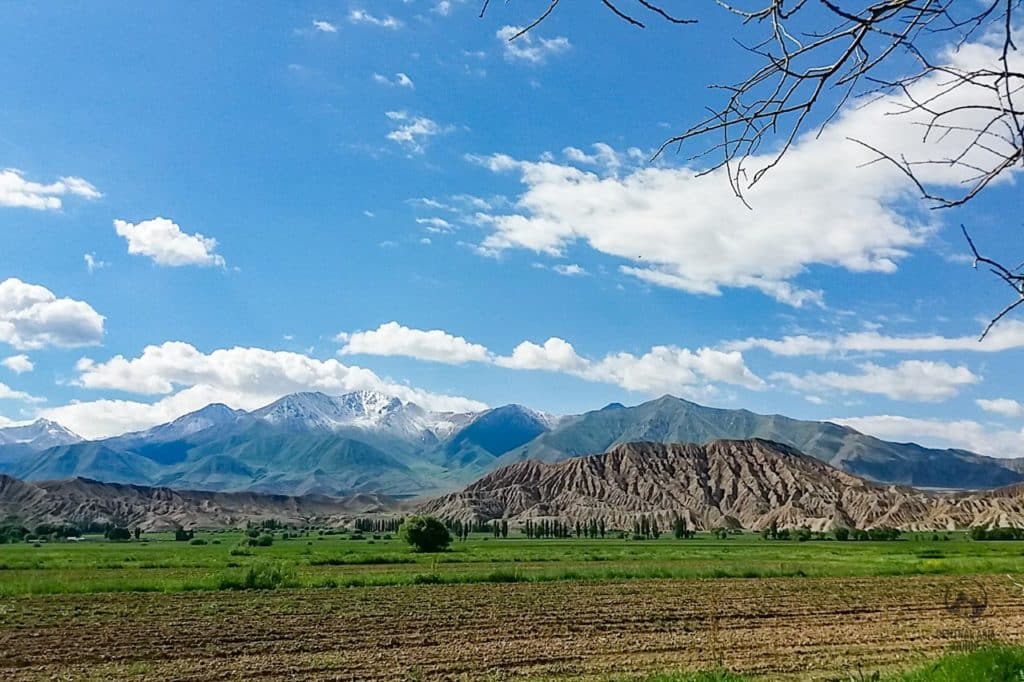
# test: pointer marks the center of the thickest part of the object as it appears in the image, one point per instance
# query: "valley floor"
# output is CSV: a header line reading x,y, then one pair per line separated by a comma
x,y
780,628
334,607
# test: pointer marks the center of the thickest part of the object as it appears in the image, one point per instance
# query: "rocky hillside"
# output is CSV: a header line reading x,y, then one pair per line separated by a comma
x,y
674,420
153,509
731,483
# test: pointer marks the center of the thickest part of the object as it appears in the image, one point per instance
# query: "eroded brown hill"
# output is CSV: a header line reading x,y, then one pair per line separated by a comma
x,y
726,483
82,500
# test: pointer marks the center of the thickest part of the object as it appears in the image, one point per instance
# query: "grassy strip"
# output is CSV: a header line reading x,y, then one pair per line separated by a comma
x,y
996,663
235,579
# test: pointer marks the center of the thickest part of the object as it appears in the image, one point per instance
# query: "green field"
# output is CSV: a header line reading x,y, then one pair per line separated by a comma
x,y
159,563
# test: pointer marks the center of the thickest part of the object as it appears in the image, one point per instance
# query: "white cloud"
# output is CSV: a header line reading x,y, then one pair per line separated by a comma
x,y
909,380
401,80
1005,336
31,317
965,434
324,26
16,191
663,369
163,241
8,393
412,132
1004,406
529,48
435,224
358,16
244,378
19,364
825,204
392,338
92,263
667,369
570,270
555,355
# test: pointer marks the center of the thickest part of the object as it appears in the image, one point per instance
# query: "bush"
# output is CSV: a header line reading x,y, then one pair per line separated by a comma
x,y
842,534
425,534
260,576
119,534
241,549
182,535
269,576
197,541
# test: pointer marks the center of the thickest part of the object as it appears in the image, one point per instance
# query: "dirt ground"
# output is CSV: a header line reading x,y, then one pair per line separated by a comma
x,y
800,628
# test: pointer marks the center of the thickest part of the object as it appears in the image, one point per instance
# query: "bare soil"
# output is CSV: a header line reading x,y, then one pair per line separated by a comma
x,y
799,628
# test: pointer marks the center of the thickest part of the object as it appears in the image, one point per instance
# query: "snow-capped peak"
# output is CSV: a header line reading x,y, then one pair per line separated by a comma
x,y
321,411
40,434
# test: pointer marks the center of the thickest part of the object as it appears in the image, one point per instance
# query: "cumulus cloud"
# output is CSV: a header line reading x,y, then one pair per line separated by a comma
x,y
1005,336
413,132
529,48
825,204
965,434
19,364
434,345
909,380
16,191
8,393
359,16
324,26
163,241
189,379
1002,406
663,369
31,317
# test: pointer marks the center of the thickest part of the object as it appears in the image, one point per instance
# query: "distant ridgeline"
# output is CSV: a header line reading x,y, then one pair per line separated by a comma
x,y
311,443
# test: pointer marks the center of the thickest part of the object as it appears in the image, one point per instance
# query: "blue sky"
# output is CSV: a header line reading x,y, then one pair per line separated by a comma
x,y
250,200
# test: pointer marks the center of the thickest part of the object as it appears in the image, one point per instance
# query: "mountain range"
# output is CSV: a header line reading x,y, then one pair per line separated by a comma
x,y
367,442
749,484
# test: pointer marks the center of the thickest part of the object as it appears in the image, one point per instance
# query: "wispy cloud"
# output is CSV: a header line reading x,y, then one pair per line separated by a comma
x,y
359,16
529,48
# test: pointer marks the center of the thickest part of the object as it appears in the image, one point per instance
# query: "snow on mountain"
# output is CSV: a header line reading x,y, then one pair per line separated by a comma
x,y
366,410
319,411
38,435
214,414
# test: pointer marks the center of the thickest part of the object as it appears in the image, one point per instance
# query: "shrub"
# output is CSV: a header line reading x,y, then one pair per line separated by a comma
x,y
119,534
269,576
241,549
842,534
197,541
425,534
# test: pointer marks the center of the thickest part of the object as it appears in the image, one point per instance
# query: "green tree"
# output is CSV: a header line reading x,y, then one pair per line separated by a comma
x,y
118,533
425,534
842,534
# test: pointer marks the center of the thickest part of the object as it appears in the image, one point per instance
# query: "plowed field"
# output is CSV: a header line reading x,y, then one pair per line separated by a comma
x,y
802,628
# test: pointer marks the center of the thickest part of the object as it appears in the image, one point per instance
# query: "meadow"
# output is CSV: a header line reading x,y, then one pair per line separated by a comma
x,y
218,560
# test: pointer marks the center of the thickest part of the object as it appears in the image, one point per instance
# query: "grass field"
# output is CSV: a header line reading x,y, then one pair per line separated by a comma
x,y
486,609
161,564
